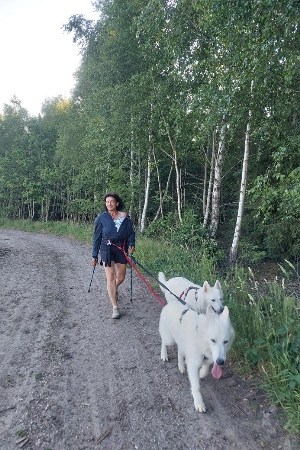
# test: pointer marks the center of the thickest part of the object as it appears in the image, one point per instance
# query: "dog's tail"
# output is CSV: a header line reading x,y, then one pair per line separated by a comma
x,y
162,279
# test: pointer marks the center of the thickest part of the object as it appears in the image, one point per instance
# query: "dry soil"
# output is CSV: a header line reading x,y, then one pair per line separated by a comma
x,y
72,378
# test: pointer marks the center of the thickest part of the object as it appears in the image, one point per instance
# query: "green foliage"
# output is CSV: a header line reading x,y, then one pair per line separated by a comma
x,y
159,255
250,253
188,235
276,196
266,317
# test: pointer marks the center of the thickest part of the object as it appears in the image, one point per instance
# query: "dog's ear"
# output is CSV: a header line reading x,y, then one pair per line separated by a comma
x,y
218,285
225,313
206,286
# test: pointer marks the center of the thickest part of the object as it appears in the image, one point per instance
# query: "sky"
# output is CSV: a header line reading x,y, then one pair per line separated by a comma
x,y
37,58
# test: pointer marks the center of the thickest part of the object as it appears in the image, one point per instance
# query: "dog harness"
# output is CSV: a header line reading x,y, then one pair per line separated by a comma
x,y
184,294
182,314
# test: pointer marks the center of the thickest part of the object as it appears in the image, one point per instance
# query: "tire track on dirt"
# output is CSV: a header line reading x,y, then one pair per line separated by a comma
x,y
21,333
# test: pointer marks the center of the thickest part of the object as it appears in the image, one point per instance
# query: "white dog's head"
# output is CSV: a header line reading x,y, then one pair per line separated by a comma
x,y
212,296
220,337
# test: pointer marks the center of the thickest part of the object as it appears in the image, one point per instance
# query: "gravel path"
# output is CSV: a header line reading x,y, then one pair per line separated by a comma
x,y
71,378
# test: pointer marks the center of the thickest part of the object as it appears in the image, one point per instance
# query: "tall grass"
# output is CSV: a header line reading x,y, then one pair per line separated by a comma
x,y
80,232
175,260
266,318
265,315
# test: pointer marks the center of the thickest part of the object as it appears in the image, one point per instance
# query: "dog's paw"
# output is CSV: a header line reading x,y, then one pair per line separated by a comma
x,y
164,353
181,368
164,356
200,407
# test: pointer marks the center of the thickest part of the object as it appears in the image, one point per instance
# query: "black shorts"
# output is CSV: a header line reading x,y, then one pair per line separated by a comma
x,y
111,253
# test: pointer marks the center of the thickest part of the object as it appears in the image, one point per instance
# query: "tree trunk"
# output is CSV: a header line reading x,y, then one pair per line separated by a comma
x,y
131,175
215,208
147,188
207,201
177,171
204,199
160,208
238,225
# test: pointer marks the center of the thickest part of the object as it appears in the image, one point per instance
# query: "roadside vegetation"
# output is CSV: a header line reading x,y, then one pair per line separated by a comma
x,y
265,312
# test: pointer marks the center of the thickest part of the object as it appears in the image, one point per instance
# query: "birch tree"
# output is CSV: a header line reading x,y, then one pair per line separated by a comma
x,y
207,198
147,183
238,225
177,171
216,194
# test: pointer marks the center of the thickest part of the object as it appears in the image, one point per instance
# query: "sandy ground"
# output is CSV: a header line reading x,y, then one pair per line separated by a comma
x,y
71,378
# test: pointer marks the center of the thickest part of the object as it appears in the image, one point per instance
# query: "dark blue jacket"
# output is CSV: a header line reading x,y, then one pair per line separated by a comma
x,y
105,230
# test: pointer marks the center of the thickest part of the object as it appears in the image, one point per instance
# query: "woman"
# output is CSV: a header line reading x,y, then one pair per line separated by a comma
x,y
113,231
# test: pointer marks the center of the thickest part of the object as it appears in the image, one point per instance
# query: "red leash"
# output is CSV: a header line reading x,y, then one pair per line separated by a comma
x,y
131,261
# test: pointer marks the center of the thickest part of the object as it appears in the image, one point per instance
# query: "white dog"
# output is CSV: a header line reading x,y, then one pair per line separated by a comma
x,y
196,296
201,339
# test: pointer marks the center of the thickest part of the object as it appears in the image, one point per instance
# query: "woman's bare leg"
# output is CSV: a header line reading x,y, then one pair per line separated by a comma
x,y
111,283
120,273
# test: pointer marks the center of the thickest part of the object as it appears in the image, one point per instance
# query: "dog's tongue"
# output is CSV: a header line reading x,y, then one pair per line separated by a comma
x,y
216,371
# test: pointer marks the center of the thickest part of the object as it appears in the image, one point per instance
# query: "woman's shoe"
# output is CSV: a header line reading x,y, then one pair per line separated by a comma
x,y
115,313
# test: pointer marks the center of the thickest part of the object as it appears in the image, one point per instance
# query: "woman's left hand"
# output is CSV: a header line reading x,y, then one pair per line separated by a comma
x,y
131,249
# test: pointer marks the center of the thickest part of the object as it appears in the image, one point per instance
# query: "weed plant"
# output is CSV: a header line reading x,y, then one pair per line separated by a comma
x,y
265,315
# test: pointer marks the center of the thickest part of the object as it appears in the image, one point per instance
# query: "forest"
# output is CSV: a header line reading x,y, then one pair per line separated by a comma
x,y
188,109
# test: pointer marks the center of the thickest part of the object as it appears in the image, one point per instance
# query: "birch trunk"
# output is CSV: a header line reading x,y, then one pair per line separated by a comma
x,y
210,183
177,171
148,178
204,198
139,174
131,178
147,190
162,198
238,225
178,186
215,207
158,183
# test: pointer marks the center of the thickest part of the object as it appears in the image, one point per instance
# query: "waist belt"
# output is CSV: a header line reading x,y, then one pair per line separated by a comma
x,y
108,241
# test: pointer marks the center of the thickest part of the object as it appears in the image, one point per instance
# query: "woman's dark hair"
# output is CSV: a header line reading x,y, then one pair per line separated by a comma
x,y
120,206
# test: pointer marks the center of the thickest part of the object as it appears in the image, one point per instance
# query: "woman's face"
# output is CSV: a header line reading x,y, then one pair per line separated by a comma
x,y
111,204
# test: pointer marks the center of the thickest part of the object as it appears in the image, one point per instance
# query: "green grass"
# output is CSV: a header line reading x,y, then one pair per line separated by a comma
x,y
266,318
80,232
265,315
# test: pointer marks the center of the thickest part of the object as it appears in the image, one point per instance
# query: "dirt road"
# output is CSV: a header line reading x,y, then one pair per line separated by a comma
x,y
71,378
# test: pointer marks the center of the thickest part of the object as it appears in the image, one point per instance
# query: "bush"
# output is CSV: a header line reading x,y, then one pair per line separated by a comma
x,y
189,234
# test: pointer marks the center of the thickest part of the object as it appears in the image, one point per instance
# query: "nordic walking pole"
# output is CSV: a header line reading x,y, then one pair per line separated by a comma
x,y
131,257
89,289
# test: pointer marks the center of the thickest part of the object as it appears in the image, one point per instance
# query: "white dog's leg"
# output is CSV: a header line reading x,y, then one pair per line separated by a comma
x,y
193,373
204,369
164,352
181,365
